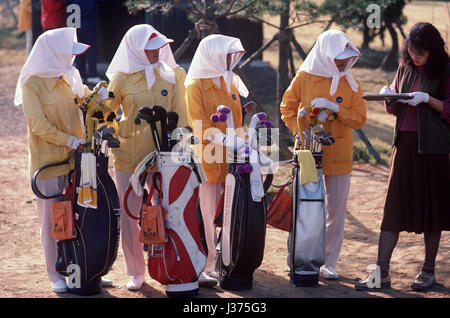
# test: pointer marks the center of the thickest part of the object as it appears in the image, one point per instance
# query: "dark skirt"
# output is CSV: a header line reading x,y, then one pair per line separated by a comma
x,y
418,197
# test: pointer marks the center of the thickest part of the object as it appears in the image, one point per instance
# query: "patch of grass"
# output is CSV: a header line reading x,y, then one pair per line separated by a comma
x,y
362,155
12,46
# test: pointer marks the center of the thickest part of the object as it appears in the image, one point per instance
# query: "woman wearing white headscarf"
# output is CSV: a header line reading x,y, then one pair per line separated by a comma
x,y
143,72
47,87
210,82
323,81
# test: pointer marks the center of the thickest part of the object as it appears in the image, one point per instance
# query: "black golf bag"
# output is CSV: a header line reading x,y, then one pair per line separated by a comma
x,y
91,254
306,241
242,237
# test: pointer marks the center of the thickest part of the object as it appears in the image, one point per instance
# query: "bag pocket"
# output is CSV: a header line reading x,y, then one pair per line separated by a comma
x,y
153,229
63,227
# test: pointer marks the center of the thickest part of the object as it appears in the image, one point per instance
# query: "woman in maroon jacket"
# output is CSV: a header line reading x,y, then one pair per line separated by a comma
x,y
418,197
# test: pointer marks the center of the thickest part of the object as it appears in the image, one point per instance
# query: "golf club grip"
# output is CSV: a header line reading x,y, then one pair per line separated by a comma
x,y
34,186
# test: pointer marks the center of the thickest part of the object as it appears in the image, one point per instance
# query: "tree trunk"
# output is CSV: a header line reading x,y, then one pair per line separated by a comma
x,y
283,67
366,39
390,62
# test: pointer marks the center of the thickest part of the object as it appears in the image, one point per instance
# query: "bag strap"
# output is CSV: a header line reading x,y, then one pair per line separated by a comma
x,y
156,175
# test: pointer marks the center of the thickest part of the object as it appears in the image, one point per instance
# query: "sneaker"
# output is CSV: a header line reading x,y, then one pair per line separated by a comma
x,y
93,80
328,272
370,283
423,281
60,286
213,275
106,282
205,280
136,282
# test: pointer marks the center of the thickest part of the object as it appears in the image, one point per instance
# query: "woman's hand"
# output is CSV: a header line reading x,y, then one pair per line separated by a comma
x,y
387,90
418,97
324,103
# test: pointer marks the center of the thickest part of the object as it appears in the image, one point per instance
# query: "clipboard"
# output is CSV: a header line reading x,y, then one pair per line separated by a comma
x,y
389,97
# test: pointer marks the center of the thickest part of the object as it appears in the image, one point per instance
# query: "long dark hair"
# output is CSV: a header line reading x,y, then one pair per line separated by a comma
x,y
424,36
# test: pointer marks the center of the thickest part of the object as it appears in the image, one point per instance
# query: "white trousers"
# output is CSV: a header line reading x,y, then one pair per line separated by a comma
x,y
336,190
49,187
209,196
130,229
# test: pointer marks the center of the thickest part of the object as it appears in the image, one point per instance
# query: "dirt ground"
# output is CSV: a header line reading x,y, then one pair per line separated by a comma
x,y
22,269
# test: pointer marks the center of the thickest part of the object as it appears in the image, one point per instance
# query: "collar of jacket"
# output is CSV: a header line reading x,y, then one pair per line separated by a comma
x,y
50,83
135,77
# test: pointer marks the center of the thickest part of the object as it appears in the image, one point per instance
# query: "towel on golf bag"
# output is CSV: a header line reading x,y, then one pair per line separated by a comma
x,y
243,232
87,189
179,262
307,166
306,241
89,256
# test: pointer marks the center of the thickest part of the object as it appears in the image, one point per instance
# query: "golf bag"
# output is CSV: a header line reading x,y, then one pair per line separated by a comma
x,y
306,241
178,263
91,254
242,237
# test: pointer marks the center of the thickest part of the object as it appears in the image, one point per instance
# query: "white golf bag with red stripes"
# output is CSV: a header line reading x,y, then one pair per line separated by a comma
x,y
179,262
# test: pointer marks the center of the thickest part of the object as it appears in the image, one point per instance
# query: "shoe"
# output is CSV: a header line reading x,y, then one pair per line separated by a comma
x,y
206,281
370,283
106,282
93,80
213,275
136,282
60,286
328,272
423,281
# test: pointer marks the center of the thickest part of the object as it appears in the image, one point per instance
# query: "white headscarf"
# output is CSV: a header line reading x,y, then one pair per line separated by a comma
x,y
210,61
52,57
320,61
130,57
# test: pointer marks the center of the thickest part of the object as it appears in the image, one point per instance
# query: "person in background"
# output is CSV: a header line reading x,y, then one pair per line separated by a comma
x,y
143,72
418,196
323,81
53,14
25,23
47,87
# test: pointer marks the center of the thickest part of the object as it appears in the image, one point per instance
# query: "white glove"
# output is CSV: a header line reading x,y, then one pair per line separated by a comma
x,y
418,97
302,112
74,142
387,90
222,140
323,116
325,103
103,94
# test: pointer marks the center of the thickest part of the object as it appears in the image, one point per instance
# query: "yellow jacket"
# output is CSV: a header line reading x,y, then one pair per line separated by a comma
x,y
131,92
337,158
202,99
52,117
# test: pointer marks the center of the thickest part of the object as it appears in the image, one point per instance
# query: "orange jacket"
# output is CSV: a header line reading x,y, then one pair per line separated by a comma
x,y
24,15
202,99
337,158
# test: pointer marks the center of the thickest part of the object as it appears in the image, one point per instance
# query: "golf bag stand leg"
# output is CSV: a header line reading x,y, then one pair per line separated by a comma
x,y
306,241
